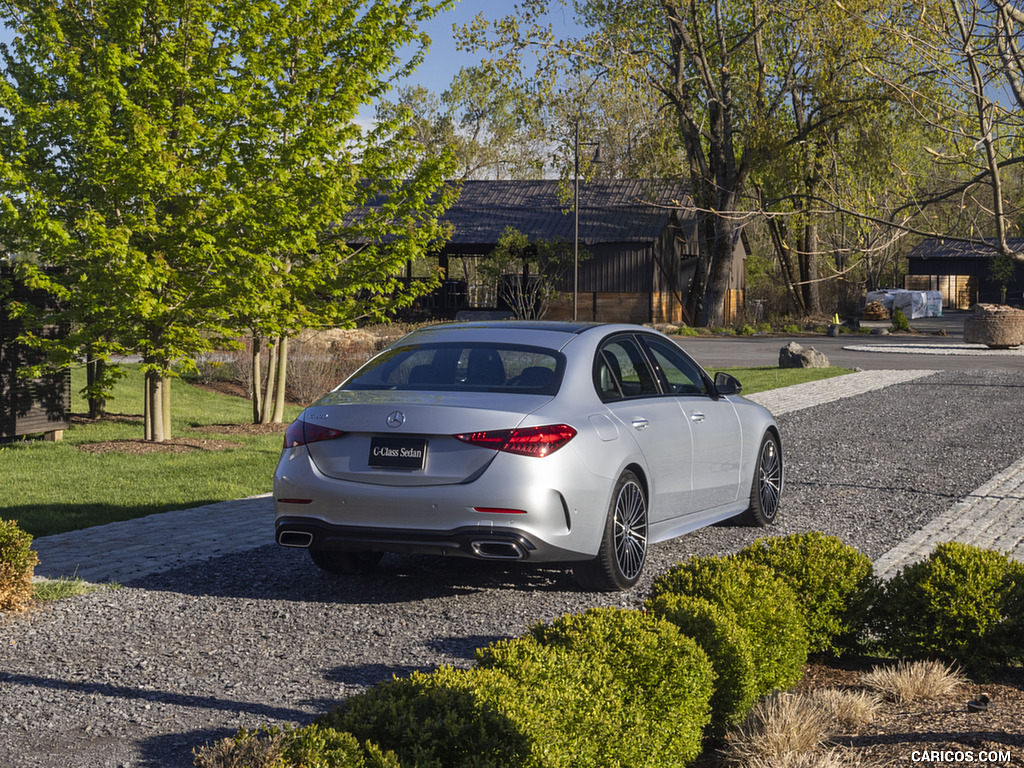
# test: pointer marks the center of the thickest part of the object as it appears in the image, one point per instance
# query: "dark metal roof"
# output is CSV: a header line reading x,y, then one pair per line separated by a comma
x,y
946,249
611,211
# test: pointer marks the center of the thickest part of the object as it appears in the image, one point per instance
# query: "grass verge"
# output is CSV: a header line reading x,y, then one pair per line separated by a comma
x,y
767,377
51,488
51,590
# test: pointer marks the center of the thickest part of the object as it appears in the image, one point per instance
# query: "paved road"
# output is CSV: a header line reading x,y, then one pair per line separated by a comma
x,y
922,351
992,516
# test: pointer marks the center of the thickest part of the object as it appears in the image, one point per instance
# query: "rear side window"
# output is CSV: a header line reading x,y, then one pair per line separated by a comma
x,y
621,370
680,375
458,367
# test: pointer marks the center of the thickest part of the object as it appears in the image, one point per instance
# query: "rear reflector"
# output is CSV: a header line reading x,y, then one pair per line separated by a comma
x,y
528,441
499,511
300,432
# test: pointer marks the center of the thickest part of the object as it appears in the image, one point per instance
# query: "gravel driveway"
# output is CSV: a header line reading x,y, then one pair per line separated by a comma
x,y
141,675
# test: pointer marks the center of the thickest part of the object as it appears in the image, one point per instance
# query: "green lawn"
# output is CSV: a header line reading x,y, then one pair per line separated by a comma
x,y
54,487
767,377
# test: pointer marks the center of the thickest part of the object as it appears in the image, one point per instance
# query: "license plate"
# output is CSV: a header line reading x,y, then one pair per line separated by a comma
x,y
397,452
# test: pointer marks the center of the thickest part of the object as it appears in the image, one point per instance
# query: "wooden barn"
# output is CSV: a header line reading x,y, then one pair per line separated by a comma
x,y
962,273
637,236
28,407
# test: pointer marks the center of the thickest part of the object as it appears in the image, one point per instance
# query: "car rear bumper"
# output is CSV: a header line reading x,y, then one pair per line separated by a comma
x,y
477,542
514,500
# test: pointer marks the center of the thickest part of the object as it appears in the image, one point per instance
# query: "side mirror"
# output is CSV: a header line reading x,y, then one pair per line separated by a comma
x,y
727,384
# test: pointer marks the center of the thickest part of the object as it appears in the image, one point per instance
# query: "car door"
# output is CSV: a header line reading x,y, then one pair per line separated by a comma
x,y
714,424
629,388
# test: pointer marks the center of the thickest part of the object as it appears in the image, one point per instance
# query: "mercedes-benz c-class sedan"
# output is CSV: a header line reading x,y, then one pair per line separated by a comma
x,y
539,442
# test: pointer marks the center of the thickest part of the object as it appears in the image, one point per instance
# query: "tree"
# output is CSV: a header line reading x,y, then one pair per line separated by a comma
x,y
493,129
743,84
190,169
971,49
525,275
1002,269
825,199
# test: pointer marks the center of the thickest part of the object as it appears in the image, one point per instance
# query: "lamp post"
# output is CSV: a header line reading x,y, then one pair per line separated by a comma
x,y
576,214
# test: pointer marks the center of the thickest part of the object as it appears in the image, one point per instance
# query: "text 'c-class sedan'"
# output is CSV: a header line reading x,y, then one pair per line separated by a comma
x,y
570,443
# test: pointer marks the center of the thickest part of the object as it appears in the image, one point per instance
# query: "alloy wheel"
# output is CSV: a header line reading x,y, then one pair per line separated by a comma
x,y
630,530
770,479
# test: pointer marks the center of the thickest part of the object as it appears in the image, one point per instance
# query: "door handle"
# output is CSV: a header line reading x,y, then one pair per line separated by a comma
x,y
696,416
640,424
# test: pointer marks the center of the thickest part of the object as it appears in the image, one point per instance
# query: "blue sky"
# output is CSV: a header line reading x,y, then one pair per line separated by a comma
x,y
444,60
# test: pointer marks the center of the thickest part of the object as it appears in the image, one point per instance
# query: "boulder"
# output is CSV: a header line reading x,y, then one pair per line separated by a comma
x,y
794,355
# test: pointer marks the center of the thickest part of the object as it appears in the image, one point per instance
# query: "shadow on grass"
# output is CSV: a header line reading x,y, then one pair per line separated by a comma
x,y
39,520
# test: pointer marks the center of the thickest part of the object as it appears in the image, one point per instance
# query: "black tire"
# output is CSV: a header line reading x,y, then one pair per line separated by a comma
x,y
766,487
348,563
620,560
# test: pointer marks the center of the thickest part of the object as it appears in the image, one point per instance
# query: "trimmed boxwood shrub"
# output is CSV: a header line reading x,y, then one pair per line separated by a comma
x,y
762,605
665,678
309,747
1013,610
17,564
607,688
728,648
552,710
316,746
444,719
959,604
833,582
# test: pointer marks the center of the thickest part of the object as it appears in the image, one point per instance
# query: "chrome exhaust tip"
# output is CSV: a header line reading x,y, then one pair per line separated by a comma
x,y
299,539
497,550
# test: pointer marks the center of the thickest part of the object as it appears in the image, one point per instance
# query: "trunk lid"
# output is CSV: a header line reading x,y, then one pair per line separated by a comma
x,y
406,438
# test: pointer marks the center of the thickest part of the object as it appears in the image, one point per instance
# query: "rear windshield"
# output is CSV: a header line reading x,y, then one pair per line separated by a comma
x,y
463,367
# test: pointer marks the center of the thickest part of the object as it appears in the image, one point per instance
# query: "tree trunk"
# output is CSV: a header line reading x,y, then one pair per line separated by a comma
x,y
147,410
790,270
808,249
282,376
165,391
695,297
255,386
94,373
809,260
268,395
721,249
155,401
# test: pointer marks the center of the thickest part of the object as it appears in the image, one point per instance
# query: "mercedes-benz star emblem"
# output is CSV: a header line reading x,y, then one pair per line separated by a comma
x,y
396,419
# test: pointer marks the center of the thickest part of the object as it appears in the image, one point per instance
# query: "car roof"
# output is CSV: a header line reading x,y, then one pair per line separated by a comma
x,y
544,332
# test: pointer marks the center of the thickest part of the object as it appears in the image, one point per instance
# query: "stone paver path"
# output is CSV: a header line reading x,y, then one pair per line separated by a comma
x,y
120,552
991,517
798,396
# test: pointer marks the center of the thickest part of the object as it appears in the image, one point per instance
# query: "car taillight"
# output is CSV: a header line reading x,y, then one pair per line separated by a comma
x,y
528,441
300,432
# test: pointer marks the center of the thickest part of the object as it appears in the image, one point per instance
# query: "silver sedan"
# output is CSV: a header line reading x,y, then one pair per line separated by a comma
x,y
525,441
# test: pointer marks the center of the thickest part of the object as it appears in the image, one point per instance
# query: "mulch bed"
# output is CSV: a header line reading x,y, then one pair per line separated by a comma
x,y
242,429
175,444
938,732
